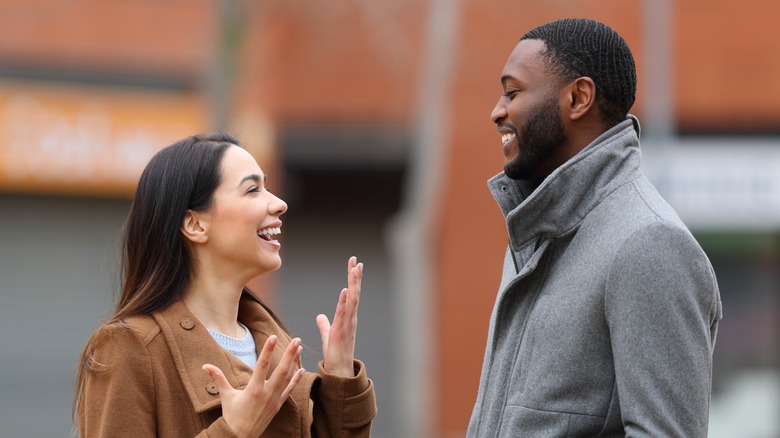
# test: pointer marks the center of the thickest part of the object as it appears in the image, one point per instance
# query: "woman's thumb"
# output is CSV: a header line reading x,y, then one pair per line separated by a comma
x,y
323,325
219,378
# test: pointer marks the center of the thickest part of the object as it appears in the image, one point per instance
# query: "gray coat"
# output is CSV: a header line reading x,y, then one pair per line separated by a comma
x,y
606,315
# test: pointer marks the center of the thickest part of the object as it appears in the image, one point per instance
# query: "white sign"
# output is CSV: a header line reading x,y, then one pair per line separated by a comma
x,y
718,184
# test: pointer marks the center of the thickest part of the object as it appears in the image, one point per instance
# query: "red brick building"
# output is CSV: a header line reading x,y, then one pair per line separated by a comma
x,y
387,101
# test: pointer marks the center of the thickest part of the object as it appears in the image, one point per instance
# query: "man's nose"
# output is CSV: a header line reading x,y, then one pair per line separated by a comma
x,y
499,111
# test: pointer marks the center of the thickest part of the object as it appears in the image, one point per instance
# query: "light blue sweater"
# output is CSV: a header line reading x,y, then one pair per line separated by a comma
x,y
242,348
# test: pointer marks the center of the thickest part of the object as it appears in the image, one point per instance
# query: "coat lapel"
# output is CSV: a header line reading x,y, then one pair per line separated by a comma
x,y
191,347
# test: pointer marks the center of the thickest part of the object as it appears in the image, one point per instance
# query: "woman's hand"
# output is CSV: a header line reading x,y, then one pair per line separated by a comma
x,y
249,411
338,340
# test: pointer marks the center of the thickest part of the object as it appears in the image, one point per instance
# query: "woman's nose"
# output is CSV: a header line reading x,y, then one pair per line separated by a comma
x,y
277,206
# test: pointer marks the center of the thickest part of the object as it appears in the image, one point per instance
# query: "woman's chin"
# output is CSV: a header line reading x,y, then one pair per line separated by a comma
x,y
266,266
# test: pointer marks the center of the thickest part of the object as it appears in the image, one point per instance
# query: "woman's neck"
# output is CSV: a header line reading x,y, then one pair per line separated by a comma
x,y
214,302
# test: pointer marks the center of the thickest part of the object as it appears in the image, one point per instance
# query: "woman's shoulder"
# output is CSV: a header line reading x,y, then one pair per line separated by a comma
x,y
118,352
116,338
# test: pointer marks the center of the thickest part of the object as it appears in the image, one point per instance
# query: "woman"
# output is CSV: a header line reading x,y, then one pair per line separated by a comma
x,y
189,351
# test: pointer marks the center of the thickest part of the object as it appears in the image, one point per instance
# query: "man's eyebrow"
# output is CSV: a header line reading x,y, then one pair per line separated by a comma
x,y
506,78
254,177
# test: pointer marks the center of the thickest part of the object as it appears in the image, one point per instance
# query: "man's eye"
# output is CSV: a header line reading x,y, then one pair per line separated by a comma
x,y
510,94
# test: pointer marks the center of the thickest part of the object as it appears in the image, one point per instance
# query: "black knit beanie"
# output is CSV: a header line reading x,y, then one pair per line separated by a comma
x,y
579,47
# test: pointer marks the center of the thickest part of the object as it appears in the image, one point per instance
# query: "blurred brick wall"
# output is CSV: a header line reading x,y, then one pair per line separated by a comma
x,y
727,65
352,63
169,36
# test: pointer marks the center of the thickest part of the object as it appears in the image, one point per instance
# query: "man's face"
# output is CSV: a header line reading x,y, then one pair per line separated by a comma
x,y
528,114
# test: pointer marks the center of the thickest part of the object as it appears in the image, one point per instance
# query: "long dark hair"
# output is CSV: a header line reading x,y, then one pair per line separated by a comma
x,y
156,261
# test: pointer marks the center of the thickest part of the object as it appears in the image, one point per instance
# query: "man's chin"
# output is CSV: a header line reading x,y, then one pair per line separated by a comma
x,y
515,170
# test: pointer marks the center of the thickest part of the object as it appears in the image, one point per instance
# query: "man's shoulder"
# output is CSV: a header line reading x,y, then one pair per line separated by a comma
x,y
635,218
638,204
659,244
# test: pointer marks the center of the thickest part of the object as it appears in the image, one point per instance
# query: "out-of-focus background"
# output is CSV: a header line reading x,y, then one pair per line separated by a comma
x,y
372,120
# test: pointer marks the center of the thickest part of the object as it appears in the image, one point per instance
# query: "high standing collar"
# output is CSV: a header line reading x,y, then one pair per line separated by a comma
x,y
563,199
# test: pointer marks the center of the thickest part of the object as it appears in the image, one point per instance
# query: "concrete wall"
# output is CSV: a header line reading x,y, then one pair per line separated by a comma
x,y
57,266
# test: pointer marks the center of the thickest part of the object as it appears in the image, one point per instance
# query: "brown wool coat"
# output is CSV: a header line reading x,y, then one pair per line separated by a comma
x,y
151,383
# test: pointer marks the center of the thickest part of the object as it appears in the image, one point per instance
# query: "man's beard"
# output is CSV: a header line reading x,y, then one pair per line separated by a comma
x,y
539,138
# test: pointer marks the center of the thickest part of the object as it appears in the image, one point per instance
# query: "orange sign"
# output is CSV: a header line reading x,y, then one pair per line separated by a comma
x,y
86,140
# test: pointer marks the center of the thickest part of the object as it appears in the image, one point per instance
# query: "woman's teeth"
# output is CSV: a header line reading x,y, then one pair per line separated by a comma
x,y
268,232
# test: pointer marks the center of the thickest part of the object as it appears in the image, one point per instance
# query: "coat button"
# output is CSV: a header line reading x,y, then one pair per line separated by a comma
x,y
187,324
212,389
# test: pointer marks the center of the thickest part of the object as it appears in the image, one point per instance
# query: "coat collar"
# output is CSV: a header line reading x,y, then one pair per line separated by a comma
x,y
560,203
191,346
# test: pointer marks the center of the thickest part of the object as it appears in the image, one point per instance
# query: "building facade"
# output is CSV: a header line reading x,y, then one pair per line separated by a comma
x,y
372,120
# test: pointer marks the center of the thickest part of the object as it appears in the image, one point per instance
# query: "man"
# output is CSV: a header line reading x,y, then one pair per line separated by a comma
x,y
607,311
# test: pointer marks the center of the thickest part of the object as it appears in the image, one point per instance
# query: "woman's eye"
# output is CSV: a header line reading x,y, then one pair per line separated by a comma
x,y
253,189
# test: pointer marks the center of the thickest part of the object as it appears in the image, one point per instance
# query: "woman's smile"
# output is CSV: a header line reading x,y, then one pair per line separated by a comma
x,y
269,234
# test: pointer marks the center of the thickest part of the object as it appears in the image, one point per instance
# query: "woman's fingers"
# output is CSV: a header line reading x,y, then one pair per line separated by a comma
x,y
353,292
356,286
338,338
285,371
263,362
248,412
349,299
351,265
294,381
323,325
341,306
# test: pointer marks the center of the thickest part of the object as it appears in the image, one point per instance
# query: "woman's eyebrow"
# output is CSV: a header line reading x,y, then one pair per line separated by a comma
x,y
254,177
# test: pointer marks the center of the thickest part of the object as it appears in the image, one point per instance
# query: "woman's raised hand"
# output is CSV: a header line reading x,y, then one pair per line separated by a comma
x,y
249,411
338,340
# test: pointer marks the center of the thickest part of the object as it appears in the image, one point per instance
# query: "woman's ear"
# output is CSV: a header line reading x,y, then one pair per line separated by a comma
x,y
582,97
195,227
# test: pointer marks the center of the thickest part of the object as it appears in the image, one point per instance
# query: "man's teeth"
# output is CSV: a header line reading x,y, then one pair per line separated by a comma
x,y
507,137
270,231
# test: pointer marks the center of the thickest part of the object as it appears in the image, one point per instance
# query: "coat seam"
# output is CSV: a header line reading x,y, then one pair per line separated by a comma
x,y
148,361
555,411
544,265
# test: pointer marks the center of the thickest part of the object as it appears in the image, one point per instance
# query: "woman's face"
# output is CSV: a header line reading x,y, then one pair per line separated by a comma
x,y
243,220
